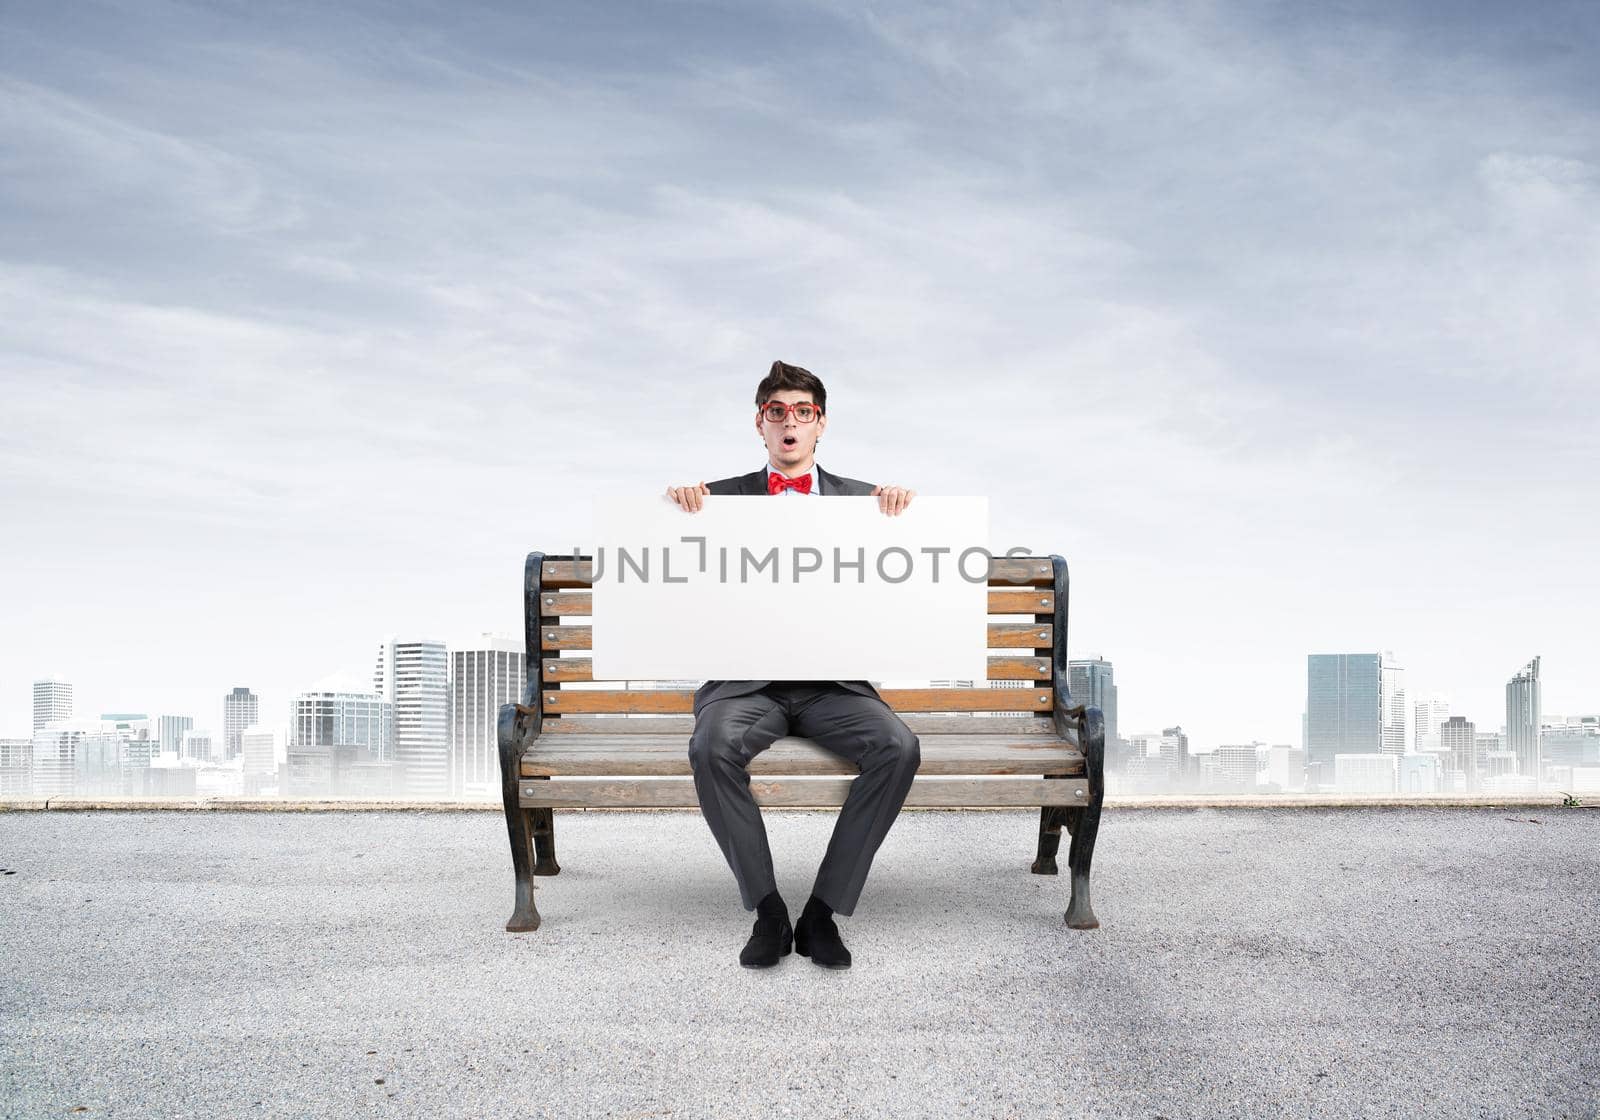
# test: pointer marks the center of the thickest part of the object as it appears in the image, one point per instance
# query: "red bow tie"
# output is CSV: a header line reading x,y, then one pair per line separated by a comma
x,y
777,484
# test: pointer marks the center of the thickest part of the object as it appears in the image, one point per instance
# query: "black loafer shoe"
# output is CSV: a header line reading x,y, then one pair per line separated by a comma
x,y
770,941
818,938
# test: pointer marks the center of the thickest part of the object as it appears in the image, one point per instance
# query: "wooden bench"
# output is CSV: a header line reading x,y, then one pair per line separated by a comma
x,y
590,745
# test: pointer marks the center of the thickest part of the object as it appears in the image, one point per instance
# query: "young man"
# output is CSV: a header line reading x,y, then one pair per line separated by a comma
x,y
737,720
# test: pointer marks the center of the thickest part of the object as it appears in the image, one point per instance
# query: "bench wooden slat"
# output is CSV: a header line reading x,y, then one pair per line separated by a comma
x,y
580,604
661,793
1010,667
580,726
1002,635
900,699
668,756
1034,571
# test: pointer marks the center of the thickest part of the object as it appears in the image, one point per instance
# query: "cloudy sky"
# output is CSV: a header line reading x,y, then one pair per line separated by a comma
x,y
1279,321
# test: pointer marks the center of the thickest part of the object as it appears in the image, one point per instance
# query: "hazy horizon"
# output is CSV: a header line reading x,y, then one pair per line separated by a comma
x,y
1278,323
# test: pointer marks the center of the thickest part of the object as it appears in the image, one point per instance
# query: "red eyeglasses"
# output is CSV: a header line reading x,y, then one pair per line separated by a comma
x,y
776,411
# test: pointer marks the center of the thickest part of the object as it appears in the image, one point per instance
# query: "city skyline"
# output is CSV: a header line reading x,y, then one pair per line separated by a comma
x,y
1092,677
1301,308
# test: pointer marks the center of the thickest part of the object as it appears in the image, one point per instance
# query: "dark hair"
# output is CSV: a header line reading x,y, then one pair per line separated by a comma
x,y
785,376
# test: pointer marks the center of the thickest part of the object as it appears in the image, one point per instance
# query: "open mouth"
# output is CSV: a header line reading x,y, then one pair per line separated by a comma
x,y
790,441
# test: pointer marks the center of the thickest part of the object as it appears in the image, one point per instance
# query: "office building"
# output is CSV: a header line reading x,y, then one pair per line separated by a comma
x,y
1145,771
340,745
1092,681
331,734
240,709
103,765
1418,773
1344,711
1458,742
52,702
1487,742
1175,753
196,745
1522,720
354,719
169,732
139,736
1571,741
1375,772
16,767
415,678
258,751
1236,767
55,759
1392,699
1286,768
491,673
1429,714
83,758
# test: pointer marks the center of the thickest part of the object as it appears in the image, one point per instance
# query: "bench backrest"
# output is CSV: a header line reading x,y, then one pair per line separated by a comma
x,y
1027,651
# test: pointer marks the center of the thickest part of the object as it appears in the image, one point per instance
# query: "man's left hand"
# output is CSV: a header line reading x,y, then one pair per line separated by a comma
x,y
893,499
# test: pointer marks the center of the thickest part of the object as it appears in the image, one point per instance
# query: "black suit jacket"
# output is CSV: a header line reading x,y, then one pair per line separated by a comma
x,y
756,483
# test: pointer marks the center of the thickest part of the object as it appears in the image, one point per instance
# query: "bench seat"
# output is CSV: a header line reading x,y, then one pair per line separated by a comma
x,y
802,793
956,770
668,756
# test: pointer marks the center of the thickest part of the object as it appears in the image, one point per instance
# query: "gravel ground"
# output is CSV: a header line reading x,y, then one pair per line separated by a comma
x,y
1251,963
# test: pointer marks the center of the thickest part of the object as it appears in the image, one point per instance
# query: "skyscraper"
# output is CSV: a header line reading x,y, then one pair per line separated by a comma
x,y
482,678
1522,720
1459,738
1392,702
415,678
1430,713
240,709
1344,711
52,701
1092,682
1175,753
169,731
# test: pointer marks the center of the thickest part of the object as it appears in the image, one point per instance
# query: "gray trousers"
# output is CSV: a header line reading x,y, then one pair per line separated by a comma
x,y
729,733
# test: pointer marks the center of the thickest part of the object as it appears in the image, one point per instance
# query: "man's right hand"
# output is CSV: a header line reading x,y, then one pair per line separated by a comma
x,y
688,497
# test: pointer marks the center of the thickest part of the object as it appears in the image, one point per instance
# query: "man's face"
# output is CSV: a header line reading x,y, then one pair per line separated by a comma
x,y
790,443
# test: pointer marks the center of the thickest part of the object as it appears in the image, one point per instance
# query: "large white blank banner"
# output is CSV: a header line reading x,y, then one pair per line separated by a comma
x,y
790,588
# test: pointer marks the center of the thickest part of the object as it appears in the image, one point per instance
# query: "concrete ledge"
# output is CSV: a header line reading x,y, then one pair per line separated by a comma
x,y
1346,801
393,805
247,804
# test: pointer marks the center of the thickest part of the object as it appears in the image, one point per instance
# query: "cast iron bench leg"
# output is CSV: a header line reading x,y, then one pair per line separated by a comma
x,y
1051,818
524,915
1084,823
543,825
